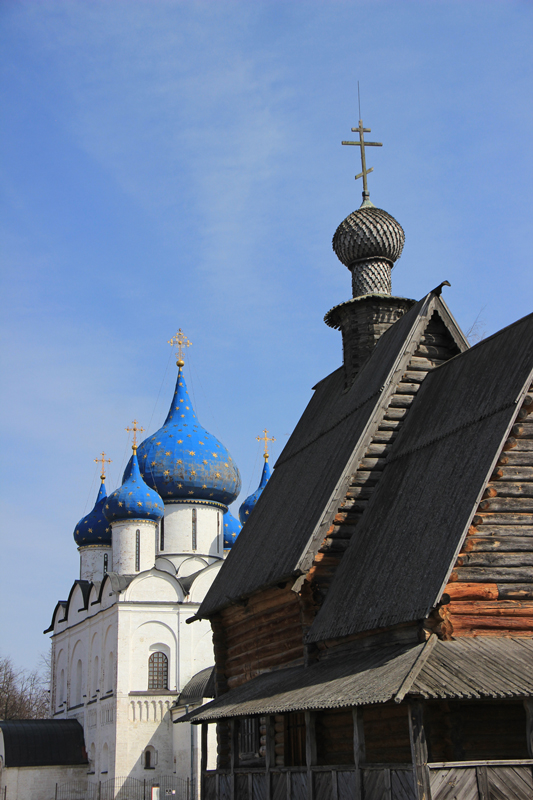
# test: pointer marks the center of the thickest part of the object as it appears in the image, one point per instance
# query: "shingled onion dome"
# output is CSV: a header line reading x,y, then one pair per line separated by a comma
x,y
94,528
134,499
248,505
368,242
232,528
183,461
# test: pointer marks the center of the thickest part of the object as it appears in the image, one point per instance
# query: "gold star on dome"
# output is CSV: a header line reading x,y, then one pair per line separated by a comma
x,y
139,503
90,530
204,461
181,384
167,453
130,493
179,461
193,472
120,503
187,407
246,512
166,472
180,486
152,463
181,399
217,475
145,455
192,453
204,486
215,455
182,415
226,465
147,494
191,492
130,512
200,442
107,506
158,442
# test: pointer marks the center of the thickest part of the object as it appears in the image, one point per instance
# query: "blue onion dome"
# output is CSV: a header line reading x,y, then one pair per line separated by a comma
x,y
134,499
94,528
232,528
183,461
248,506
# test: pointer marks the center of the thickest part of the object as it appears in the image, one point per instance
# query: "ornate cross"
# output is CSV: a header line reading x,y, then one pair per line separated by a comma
x,y
266,439
180,341
135,430
103,461
362,144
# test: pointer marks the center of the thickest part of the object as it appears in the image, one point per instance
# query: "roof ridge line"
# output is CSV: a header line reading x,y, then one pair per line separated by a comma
x,y
415,669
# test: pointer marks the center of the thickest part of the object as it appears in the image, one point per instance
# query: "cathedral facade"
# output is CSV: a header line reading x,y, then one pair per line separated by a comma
x,y
124,662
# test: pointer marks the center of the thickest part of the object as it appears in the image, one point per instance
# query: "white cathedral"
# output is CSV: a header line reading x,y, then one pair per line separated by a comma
x,y
124,662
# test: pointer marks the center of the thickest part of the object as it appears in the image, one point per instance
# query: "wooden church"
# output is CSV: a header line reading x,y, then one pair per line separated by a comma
x,y
373,623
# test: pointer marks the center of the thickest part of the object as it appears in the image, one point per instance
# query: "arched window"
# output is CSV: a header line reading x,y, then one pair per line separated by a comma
x,y
105,758
110,673
158,671
150,758
61,687
95,675
218,532
137,551
194,532
162,534
77,695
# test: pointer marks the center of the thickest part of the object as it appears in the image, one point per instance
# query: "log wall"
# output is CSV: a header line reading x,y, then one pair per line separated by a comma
x,y
386,728
491,585
334,736
458,731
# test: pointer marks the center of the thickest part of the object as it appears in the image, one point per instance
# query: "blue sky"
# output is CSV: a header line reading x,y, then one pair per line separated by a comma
x,y
178,164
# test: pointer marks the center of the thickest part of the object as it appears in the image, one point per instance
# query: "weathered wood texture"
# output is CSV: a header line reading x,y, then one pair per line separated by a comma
x,y
491,585
435,348
334,735
460,731
386,731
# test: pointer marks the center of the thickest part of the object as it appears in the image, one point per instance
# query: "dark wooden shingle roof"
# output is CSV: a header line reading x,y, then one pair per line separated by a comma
x,y
321,453
407,541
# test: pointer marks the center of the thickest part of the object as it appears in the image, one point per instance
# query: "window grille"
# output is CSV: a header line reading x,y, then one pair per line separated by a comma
x,y
162,534
248,739
106,559
194,530
158,671
137,551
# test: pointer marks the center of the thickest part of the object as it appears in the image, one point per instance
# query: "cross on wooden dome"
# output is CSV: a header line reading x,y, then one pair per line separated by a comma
x,y
103,461
180,341
135,430
266,439
362,144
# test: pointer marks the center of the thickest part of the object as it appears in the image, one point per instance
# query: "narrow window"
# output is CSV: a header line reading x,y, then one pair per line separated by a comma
x,y
137,550
218,532
147,759
106,559
162,534
158,671
194,535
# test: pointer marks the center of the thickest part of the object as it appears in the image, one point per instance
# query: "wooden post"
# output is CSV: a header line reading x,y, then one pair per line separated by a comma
x,y
270,754
234,754
419,750
203,757
310,750
529,725
359,755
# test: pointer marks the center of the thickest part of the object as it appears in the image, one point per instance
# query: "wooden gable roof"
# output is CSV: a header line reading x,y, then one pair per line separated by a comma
x,y
396,567
294,512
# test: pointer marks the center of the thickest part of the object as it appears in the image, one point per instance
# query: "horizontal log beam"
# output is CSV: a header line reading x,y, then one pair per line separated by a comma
x,y
493,574
496,559
508,518
515,505
509,544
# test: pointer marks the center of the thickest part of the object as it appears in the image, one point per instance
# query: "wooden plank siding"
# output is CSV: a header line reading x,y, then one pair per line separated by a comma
x,y
491,585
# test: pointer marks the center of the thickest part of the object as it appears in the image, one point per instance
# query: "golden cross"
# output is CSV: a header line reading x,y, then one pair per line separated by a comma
x,y
103,461
180,341
266,439
135,430
362,144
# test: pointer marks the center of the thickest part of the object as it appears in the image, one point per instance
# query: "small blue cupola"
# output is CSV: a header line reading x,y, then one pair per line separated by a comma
x,y
247,507
94,529
134,499
232,528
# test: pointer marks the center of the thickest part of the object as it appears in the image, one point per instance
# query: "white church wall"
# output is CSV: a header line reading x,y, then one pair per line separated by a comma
x,y
203,582
93,562
191,565
154,586
133,546
37,783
